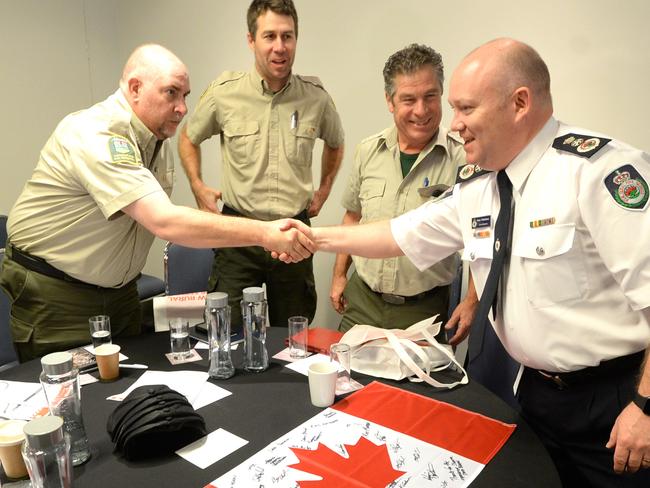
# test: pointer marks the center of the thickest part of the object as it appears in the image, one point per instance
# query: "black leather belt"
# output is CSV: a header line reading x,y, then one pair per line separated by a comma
x,y
611,367
226,210
39,265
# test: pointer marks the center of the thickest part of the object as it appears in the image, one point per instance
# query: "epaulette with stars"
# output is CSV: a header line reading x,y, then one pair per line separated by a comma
x,y
469,172
580,144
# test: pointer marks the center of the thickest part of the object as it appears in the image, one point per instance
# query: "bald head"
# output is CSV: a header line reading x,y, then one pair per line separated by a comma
x,y
501,98
148,62
155,83
511,64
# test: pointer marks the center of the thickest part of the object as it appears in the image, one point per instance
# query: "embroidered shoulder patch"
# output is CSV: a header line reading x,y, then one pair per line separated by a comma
x,y
469,172
627,187
122,151
582,145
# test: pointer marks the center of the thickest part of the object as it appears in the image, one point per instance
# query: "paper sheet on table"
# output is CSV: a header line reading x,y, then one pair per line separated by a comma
x,y
210,393
211,448
86,379
285,355
301,366
21,400
192,384
188,306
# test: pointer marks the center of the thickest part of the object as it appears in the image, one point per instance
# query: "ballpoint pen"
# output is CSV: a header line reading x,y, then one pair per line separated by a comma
x,y
134,366
36,392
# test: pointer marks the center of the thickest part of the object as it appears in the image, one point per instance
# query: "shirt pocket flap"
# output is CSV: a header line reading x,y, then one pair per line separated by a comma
x,y
545,242
305,131
373,189
241,128
478,249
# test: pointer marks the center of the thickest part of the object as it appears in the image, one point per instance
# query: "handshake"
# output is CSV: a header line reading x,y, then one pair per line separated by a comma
x,y
289,240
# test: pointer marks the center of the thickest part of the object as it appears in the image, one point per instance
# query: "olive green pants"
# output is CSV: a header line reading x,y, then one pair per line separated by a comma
x,y
367,307
290,288
49,315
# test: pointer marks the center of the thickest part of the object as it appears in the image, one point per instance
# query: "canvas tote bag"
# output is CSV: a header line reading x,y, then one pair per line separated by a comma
x,y
396,354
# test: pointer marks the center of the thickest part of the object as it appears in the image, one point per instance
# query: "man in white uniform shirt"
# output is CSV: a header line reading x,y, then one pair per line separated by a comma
x,y
574,304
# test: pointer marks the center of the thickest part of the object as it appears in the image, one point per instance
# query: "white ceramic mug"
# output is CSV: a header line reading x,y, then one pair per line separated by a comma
x,y
322,383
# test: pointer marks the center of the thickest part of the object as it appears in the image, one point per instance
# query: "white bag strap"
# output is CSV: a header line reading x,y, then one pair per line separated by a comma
x,y
419,352
415,369
432,340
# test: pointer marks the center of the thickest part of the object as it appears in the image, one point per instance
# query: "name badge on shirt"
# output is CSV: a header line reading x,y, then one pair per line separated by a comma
x,y
480,222
481,226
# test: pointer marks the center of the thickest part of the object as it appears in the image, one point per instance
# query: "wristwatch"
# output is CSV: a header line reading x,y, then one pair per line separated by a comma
x,y
642,402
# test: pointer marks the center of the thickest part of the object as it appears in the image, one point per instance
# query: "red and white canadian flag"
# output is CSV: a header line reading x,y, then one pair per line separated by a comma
x,y
379,436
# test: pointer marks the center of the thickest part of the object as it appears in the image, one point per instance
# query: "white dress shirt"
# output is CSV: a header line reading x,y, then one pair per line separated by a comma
x,y
578,279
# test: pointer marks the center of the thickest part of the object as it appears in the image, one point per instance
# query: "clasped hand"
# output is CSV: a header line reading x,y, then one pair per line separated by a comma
x,y
289,240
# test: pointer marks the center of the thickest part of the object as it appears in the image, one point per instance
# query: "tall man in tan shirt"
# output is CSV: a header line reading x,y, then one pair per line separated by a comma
x,y
80,231
268,120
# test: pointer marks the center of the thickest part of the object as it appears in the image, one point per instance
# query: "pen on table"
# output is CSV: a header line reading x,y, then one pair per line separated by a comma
x,y
23,402
134,366
38,390
294,120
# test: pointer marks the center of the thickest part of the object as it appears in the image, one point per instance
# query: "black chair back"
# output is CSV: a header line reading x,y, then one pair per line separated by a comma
x,y
186,269
3,231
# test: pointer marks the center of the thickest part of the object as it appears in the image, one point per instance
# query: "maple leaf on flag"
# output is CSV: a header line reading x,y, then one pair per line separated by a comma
x,y
368,466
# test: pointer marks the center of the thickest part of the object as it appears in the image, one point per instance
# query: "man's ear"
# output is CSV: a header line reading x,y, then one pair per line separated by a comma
x,y
135,88
251,41
521,100
389,102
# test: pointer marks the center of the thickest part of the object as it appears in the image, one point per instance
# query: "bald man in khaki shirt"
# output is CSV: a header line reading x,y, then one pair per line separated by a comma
x,y
268,120
80,231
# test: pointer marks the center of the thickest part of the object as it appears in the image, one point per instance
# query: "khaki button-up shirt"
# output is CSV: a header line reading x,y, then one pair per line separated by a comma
x,y
96,162
267,140
378,191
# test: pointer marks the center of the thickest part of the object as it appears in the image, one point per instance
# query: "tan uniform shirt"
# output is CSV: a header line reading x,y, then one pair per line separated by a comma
x,y
96,162
378,191
266,140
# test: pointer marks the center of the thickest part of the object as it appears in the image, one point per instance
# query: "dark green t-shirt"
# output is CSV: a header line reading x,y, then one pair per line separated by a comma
x,y
407,161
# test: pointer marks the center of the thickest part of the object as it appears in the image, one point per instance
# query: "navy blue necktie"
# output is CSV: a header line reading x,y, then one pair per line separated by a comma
x,y
501,250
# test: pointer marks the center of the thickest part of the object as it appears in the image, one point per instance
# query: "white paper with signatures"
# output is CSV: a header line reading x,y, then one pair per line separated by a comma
x,y
424,465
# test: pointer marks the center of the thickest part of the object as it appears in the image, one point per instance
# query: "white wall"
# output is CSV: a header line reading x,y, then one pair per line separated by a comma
x,y
61,55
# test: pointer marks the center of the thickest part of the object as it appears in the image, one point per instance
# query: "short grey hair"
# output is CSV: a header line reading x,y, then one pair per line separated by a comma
x,y
409,60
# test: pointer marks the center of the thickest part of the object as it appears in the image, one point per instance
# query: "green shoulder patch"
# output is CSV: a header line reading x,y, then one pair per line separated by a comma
x,y
122,151
580,144
627,187
469,172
